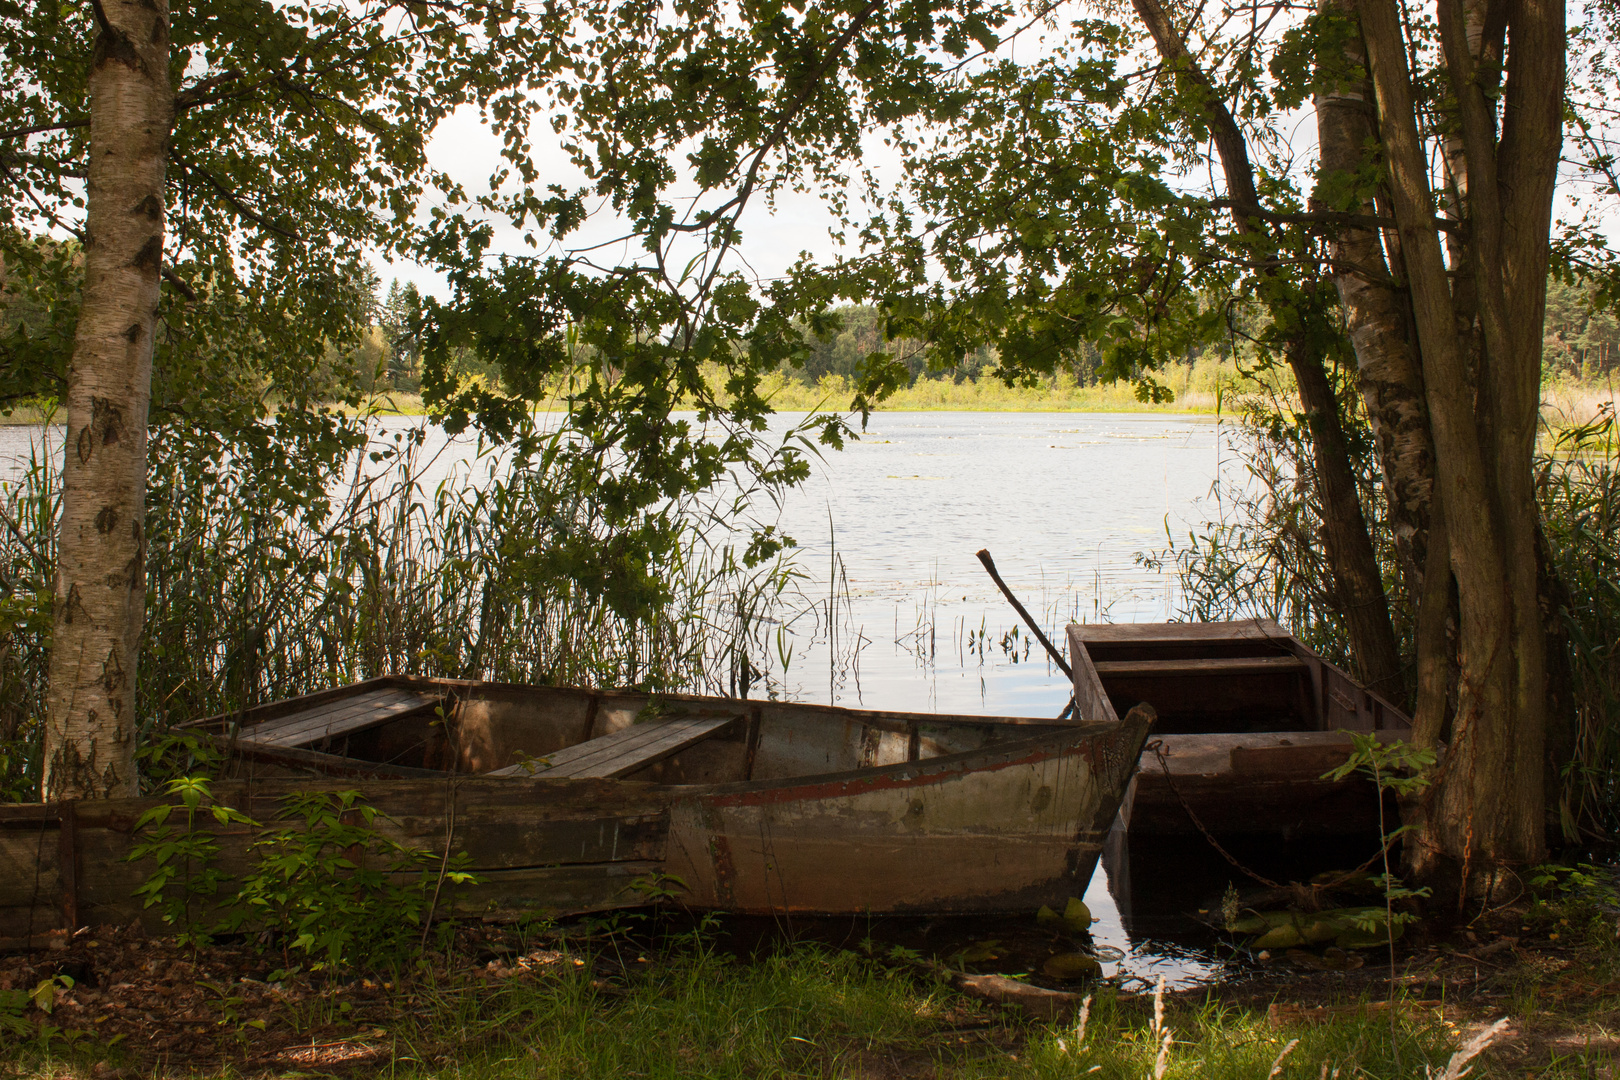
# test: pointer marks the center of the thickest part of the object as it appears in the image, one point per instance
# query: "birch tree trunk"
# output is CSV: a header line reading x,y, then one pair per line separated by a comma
x,y
100,580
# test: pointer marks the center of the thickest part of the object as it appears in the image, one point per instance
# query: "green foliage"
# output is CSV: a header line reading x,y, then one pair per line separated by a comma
x,y
807,1011
185,886
1578,486
1406,771
327,884
1262,557
27,562
1579,899
323,881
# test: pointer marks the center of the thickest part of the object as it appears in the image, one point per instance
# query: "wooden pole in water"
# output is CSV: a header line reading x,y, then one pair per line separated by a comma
x,y
1029,621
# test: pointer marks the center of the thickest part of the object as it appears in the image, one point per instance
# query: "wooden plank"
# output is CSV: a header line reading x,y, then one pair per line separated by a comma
x,y
254,715
555,890
625,750
292,723
1090,699
664,739
1165,633
302,717
307,727
1204,668
357,717
316,762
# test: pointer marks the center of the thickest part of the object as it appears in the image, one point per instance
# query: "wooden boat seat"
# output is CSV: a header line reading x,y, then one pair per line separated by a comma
x,y
622,752
1213,666
333,719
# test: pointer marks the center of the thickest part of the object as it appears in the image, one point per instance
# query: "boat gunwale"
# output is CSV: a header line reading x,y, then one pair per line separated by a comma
x,y
1057,735
887,719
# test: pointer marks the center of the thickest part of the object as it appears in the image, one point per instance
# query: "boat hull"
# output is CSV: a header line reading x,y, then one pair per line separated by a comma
x,y
1003,830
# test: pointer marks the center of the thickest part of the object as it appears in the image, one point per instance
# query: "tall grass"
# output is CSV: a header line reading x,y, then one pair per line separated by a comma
x,y
269,576
1578,486
1198,387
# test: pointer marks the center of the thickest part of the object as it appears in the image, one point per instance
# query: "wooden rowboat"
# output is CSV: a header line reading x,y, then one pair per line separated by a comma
x,y
1248,721
568,800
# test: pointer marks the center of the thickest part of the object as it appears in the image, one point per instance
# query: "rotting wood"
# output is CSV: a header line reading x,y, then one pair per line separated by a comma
x,y
339,718
314,761
67,846
960,813
623,751
1037,1001
1219,685
1260,629
1205,667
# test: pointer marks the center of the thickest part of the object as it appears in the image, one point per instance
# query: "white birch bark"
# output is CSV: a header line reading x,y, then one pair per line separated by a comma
x,y
100,584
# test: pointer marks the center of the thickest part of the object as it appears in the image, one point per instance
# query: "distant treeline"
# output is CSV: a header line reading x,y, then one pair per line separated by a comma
x,y
1582,343
1582,340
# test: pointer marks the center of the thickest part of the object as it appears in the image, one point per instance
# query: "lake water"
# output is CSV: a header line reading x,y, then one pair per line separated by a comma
x,y
888,530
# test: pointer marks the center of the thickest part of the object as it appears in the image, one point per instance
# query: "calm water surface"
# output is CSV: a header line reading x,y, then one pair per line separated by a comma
x,y
887,532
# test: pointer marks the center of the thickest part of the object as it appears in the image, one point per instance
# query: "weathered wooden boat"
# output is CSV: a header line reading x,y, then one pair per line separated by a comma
x,y
569,800
1249,720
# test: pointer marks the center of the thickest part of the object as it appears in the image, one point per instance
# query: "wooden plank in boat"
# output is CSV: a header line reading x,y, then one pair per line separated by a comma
x,y
339,717
625,750
1203,668
1160,633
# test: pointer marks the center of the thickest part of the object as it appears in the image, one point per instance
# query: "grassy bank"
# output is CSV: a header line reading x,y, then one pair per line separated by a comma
x,y
589,1000
1207,387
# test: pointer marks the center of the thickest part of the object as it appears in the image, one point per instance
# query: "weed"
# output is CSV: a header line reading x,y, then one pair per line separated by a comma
x,y
187,874
327,884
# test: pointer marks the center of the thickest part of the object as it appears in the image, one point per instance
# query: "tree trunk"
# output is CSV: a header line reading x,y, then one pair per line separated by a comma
x,y
1489,803
1357,577
1378,321
100,580
1349,544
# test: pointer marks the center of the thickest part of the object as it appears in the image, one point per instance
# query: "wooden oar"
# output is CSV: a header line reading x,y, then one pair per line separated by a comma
x,y
1029,621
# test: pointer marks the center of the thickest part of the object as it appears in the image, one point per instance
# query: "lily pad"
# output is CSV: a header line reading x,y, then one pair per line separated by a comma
x,y
1073,965
1076,916
979,951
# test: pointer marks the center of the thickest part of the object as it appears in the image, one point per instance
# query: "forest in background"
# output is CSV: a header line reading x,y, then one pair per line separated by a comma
x,y
1581,354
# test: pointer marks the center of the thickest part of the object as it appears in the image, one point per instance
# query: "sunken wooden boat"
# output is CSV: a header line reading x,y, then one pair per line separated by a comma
x,y
1249,720
568,800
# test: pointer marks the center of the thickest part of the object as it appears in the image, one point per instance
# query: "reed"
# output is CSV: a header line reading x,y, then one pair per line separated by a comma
x,y
270,577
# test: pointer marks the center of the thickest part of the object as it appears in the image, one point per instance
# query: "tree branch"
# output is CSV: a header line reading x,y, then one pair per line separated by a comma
x,y
1324,217
66,125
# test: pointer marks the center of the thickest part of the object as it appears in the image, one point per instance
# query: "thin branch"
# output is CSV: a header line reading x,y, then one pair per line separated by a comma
x,y
1323,217
66,125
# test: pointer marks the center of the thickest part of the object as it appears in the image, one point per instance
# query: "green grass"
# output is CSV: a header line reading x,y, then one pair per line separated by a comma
x,y
807,1012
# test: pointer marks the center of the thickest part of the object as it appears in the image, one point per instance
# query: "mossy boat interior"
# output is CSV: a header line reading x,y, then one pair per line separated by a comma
x,y
568,800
